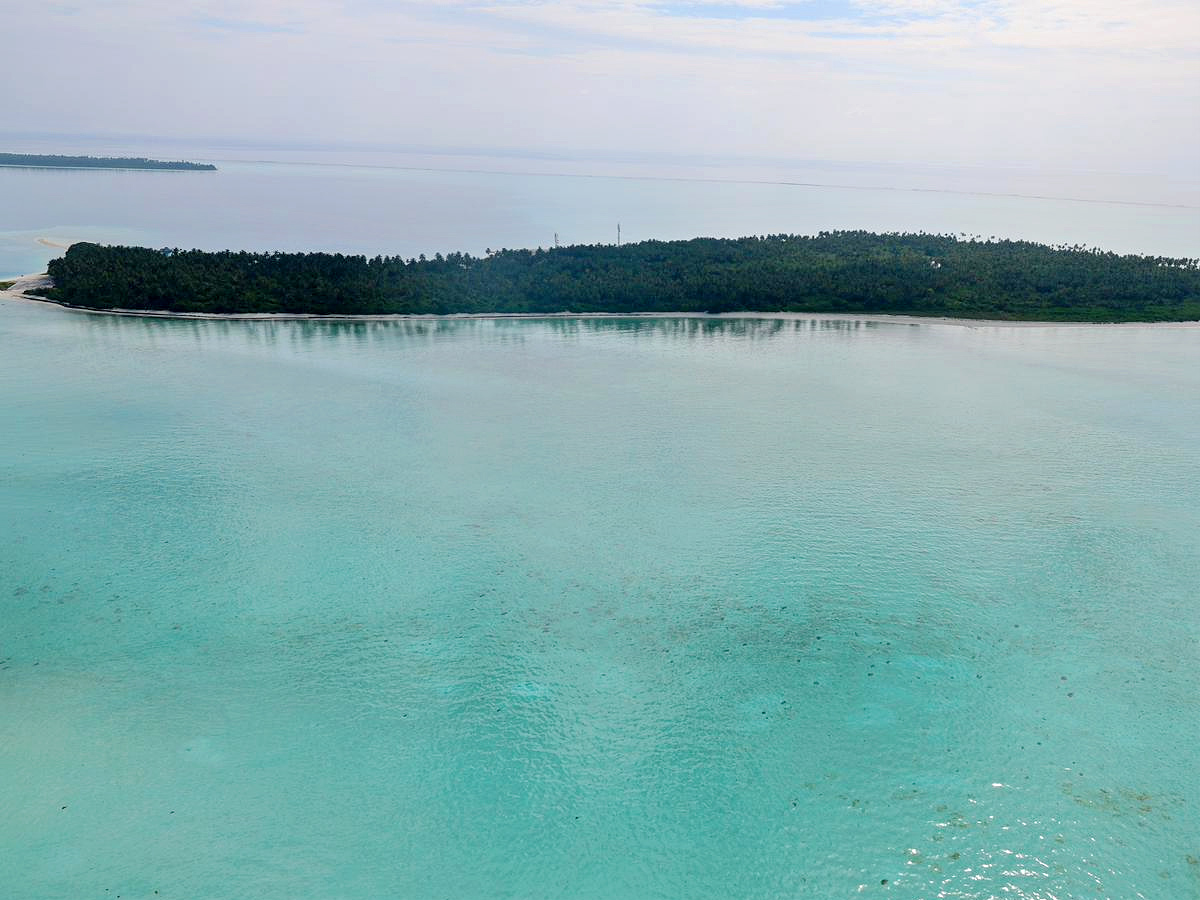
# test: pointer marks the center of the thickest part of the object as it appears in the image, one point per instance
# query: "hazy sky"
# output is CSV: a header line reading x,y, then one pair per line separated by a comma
x,y
1097,84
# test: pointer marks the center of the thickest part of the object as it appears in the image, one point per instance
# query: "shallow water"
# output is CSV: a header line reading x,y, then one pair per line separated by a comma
x,y
598,608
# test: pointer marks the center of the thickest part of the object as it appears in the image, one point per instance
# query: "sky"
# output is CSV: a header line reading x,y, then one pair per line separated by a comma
x,y
1096,85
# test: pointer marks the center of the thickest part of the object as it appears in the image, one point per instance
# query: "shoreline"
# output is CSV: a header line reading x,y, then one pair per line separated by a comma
x,y
29,282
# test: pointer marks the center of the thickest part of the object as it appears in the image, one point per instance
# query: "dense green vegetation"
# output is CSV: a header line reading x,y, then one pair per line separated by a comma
x,y
846,272
5,285
43,161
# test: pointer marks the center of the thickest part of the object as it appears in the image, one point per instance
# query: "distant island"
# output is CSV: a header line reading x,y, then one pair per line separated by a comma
x,y
42,161
833,272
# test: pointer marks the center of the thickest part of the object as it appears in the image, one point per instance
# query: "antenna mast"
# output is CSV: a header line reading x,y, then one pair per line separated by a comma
x,y
618,234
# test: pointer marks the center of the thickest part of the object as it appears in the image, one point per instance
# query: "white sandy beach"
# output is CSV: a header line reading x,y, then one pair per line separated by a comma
x,y
21,286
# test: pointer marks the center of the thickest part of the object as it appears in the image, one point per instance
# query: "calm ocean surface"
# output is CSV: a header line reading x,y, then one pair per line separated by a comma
x,y
601,609
345,205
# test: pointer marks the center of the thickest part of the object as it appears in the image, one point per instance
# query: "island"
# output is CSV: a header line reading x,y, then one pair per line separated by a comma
x,y
854,272
43,161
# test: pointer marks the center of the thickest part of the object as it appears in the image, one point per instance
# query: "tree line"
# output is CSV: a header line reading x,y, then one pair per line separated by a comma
x,y
832,272
54,161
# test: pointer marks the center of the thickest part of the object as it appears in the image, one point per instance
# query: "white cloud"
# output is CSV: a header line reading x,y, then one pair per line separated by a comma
x,y
1101,83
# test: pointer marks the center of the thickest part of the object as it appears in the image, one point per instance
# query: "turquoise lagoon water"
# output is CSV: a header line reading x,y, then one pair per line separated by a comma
x,y
687,608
